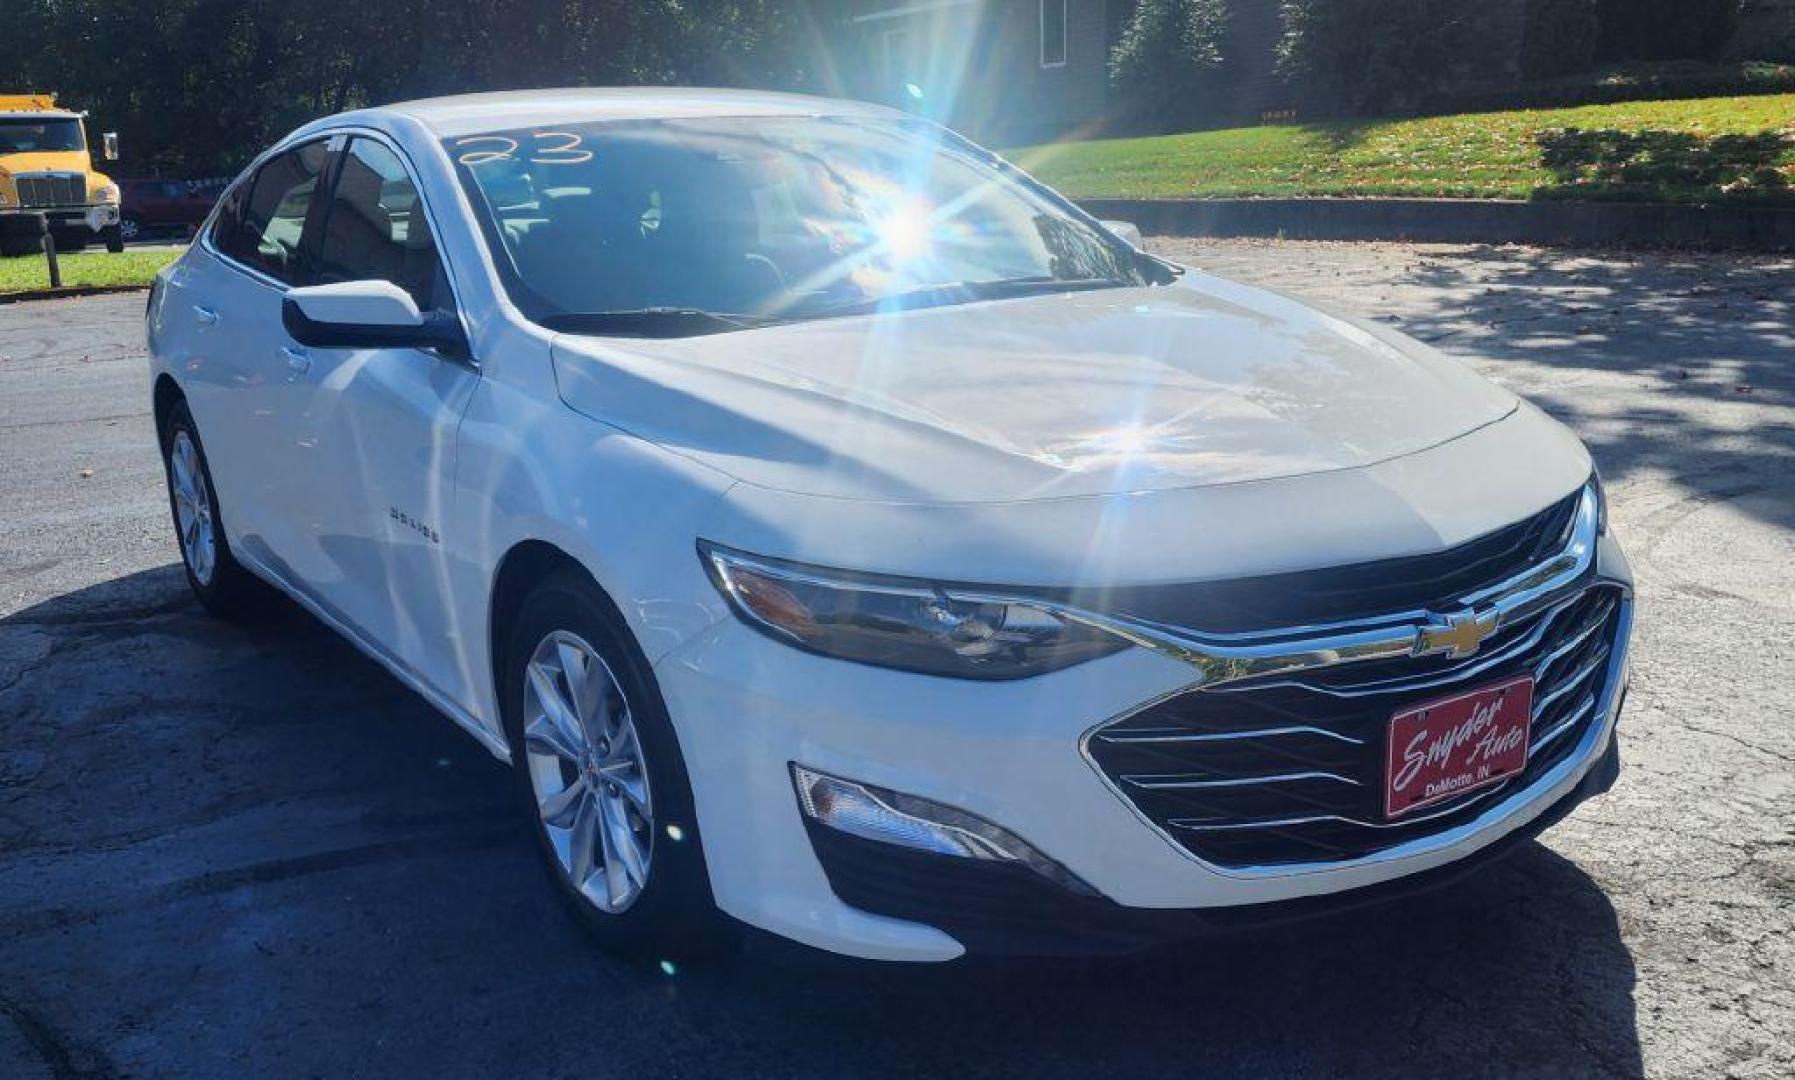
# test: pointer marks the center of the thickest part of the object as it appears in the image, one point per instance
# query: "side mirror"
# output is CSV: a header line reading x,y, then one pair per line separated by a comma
x,y
109,143
1127,231
368,315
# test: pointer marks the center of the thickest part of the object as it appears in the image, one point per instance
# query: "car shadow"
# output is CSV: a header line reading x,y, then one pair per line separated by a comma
x,y
175,790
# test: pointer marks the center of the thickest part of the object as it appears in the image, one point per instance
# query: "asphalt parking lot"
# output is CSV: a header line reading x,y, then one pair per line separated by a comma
x,y
246,851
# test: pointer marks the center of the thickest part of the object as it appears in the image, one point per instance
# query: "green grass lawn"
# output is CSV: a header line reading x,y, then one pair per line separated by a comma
x,y
27,273
1482,155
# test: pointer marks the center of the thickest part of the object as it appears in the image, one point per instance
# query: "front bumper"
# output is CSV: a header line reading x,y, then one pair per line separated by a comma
x,y
746,707
998,909
63,219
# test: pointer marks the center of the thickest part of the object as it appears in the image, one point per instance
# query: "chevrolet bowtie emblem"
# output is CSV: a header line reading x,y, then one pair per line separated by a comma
x,y
1459,635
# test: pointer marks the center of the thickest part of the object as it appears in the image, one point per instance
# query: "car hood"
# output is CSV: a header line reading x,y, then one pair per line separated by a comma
x,y
1199,383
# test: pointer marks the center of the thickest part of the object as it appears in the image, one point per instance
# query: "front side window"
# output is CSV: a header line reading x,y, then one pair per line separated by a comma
x,y
375,228
28,136
271,220
767,217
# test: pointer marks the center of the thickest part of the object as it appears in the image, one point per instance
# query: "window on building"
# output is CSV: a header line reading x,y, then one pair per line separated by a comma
x,y
1053,33
897,59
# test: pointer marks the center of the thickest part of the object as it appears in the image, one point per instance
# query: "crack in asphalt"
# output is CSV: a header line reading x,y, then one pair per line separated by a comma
x,y
58,1053
484,837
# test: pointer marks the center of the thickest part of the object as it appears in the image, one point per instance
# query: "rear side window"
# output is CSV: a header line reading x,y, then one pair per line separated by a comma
x,y
375,228
271,218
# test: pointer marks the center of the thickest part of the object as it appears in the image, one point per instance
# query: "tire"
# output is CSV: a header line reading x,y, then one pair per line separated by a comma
x,y
130,229
651,900
222,585
114,236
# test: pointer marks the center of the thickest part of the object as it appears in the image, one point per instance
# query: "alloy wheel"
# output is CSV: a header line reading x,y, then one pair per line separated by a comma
x,y
193,509
587,771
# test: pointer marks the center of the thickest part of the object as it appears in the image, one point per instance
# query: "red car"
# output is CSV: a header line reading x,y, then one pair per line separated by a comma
x,y
150,206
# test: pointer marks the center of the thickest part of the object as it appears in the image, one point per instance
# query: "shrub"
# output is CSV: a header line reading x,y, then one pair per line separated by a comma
x,y
1166,62
1382,55
1659,81
1666,29
1559,38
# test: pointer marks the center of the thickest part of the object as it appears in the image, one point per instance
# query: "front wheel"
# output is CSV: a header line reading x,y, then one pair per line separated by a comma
x,y
600,770
116,235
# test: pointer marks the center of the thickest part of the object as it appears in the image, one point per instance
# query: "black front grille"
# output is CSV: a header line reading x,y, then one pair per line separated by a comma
x,y
1201,765
61,189
1433,582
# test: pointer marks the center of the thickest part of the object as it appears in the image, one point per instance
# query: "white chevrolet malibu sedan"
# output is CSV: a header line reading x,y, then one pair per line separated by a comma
x,y
844,535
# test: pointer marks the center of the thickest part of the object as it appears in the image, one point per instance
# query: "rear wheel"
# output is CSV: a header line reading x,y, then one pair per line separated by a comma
x,y
222,585
600,770
129,228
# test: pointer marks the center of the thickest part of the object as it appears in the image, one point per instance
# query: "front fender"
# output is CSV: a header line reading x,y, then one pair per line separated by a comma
x,y
626,510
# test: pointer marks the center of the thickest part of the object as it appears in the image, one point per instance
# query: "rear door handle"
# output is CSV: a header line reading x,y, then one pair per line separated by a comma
x,y
205,315
298,363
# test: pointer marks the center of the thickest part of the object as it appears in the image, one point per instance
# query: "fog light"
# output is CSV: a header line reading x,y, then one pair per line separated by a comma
x,y
891,817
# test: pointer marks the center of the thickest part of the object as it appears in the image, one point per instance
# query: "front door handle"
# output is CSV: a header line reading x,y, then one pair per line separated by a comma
x,y
205,315
298,363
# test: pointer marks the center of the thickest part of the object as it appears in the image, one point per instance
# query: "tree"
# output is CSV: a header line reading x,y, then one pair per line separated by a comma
x,y
1666,29
1170,57
1559,37
1383,55
195,87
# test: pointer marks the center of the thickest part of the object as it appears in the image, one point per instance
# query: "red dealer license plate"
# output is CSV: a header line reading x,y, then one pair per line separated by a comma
x,y
1448,747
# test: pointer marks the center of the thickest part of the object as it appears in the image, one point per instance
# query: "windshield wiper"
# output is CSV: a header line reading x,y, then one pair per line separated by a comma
x,y
653,322
958,292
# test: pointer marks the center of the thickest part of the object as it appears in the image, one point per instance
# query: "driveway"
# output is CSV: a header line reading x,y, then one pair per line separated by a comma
x,y
246,851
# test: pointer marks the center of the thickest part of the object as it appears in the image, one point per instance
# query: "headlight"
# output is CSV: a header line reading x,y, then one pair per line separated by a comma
x,y
901,623
107,194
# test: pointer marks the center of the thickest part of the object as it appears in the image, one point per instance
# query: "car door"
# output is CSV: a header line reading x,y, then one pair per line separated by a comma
x,y
226,301
375,428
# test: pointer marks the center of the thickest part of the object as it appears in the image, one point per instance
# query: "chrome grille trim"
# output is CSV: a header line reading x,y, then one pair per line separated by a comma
x,y
1228,736
1445,678
1539,743
1577,715
1226,658
1533,606
1162,783
1579,636
49,190
1578,678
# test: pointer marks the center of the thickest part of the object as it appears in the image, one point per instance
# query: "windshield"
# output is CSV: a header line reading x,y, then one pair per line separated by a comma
x,y
766,218
25,136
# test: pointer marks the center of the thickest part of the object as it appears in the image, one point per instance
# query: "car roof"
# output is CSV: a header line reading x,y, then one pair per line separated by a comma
x,y
465,114
39,114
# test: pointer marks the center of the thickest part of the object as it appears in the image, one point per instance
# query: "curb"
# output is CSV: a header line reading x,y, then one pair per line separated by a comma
x,y
1463,221
67,291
